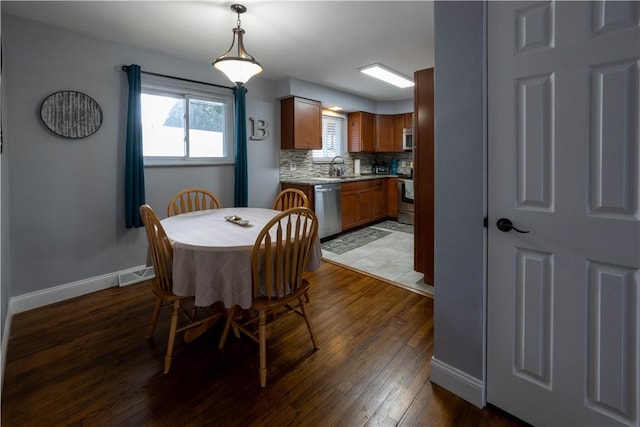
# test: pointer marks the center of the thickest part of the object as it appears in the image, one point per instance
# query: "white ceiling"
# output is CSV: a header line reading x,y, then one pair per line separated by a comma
x,y
323,42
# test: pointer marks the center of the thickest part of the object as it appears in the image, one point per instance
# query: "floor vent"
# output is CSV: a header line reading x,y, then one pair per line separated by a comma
x,y
131,277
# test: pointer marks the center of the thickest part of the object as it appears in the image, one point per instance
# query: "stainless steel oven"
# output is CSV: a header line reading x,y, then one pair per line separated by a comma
x,y
405,201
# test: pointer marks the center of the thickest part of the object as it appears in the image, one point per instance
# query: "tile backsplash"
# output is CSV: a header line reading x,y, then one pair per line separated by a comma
x,y
301,161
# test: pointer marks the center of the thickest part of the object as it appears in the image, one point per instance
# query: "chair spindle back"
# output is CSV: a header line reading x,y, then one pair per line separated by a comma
x,y
290,198
159,248
281,252
192,199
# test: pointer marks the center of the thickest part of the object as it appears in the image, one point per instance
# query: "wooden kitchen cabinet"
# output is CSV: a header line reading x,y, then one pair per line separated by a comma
x,y
357,203
408,120
361,132
364,207
392,200
401,121
300,124
349,202
307,189
399,125
385,133
380,199
376,133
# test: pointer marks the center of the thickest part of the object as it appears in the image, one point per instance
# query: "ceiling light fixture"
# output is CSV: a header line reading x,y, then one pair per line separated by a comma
x,y
336,108
387,75
236,63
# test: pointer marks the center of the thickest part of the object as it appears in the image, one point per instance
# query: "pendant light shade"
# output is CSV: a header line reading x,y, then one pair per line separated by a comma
x,y
236,63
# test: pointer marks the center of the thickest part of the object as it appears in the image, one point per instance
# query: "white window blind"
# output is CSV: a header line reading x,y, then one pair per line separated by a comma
x,y
332,138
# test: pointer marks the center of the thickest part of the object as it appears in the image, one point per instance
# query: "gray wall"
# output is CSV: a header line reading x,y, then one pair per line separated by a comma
x,y
460,190
62,200
65,197
5,287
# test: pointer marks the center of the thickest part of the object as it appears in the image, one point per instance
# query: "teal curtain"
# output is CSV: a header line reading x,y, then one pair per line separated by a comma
x,y
241,194
134,158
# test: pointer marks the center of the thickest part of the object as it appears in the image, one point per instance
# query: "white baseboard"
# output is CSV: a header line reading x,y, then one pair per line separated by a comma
x,y
459,383
67,291
5,342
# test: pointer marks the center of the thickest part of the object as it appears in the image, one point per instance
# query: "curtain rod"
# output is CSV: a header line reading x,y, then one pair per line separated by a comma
x,y
126,67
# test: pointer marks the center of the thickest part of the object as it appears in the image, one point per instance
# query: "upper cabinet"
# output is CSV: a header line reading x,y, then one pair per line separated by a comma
x,y
399,123
377,133
402,122
408,119
385,133
361,132
300,124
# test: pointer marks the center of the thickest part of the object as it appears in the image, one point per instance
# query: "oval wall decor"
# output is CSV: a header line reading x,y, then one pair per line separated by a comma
x,y
71,114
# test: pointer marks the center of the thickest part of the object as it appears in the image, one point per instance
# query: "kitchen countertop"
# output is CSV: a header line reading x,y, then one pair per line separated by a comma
x,y
336,179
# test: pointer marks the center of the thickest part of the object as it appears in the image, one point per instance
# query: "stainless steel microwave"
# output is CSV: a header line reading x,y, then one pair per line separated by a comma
x,y
407,139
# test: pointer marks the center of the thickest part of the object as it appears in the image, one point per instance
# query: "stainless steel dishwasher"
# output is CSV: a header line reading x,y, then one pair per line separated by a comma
x,y
328,207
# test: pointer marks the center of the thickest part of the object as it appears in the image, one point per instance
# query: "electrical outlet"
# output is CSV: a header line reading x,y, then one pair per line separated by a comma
x,y
292,166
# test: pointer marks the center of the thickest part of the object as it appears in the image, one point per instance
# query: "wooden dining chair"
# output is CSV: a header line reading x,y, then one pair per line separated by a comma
x,y
278,260
290,198
161,254
192,199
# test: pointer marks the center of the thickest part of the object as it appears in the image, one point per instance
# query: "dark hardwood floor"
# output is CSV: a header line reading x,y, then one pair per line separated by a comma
x,y
85,362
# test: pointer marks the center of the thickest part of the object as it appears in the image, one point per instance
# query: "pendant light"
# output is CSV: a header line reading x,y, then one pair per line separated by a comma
x,y
236,63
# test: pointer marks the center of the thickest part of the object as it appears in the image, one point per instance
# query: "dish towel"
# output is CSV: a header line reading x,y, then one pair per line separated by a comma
x,y
408,189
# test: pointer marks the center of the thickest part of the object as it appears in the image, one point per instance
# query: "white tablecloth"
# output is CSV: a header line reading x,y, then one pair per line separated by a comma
x,y
212,256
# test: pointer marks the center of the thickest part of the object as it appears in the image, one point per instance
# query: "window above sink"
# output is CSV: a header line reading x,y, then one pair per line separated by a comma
x,y
333,134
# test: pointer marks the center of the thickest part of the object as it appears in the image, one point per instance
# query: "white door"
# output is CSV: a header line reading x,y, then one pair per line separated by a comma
x,y
564,161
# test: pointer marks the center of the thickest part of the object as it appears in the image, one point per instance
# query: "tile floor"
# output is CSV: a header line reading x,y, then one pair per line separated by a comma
x,y
389,254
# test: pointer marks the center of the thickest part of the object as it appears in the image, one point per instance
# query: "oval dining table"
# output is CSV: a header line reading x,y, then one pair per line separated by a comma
x,y
212,256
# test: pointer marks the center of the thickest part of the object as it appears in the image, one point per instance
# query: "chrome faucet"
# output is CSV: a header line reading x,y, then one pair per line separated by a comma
x,y
331,170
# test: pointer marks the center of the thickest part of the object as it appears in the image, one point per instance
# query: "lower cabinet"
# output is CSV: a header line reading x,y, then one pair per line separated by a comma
x,y
392,191
357,198
380,199
349,200
363,202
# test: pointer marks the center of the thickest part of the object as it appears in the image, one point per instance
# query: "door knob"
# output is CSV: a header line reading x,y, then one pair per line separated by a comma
x,y
505,224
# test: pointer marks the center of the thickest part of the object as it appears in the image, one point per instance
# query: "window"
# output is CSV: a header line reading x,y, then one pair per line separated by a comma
x,y
185,123
332,137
